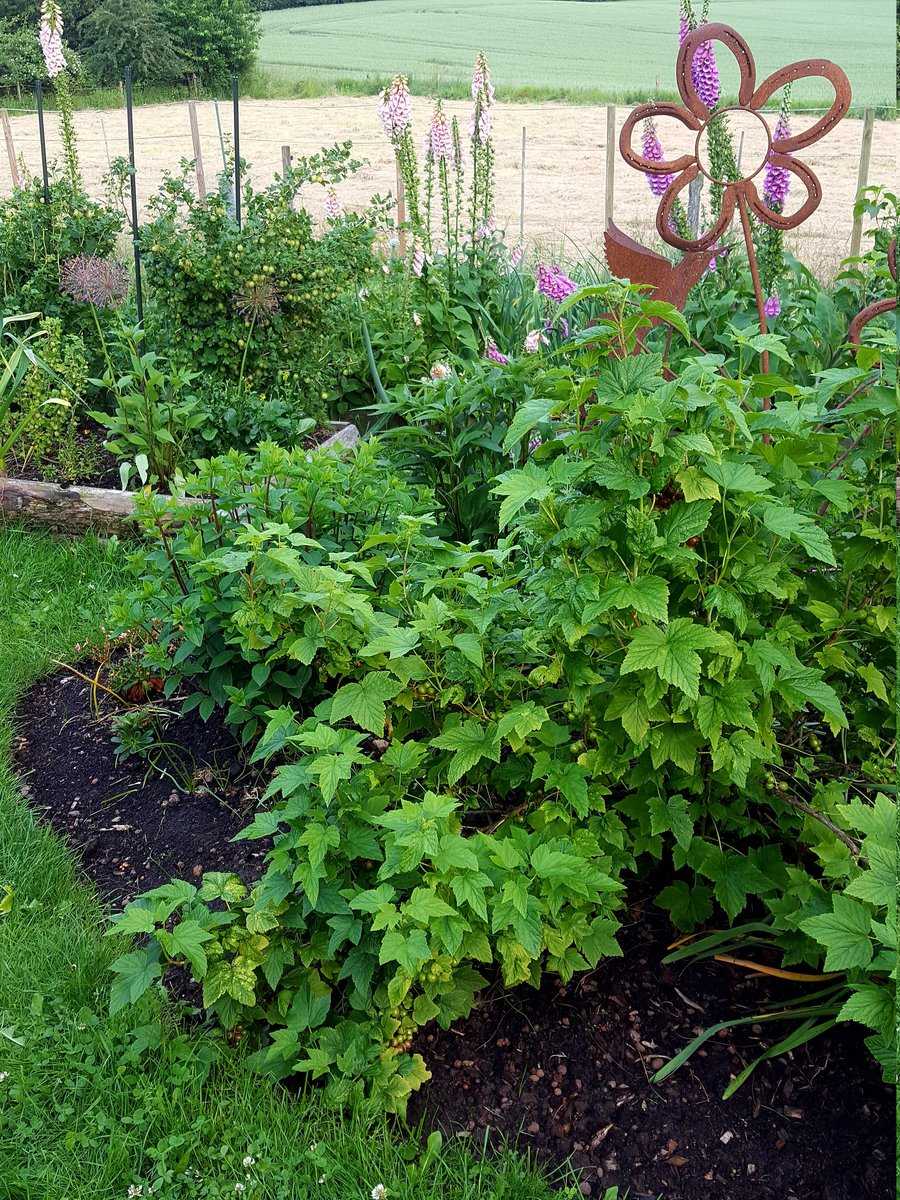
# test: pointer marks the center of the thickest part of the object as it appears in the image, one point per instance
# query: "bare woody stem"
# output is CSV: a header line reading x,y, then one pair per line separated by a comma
x,y
757,285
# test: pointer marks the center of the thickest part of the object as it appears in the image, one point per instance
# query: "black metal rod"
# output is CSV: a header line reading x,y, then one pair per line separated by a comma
x,y
135,234
42,136
236,105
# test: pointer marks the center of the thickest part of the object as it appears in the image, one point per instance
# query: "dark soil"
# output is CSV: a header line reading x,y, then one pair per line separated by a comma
x,y
132,827
103,469
565,1074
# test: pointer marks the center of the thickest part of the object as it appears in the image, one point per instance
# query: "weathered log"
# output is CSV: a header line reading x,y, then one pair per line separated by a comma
x,y
76,509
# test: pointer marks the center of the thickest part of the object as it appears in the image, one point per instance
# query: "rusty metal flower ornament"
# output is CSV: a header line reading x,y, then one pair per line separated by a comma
x,y
697,116
880,307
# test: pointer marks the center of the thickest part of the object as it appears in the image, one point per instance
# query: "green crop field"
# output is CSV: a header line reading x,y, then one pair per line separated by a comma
x,y
571,49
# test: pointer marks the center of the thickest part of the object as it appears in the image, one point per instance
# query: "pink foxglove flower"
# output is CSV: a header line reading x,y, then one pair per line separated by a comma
x,y
440,371
495,355
440,139
516,255
534,340
772,306
482,84
50,37
418,262
484,231
483,95
395,109
658,184
333,207
554,283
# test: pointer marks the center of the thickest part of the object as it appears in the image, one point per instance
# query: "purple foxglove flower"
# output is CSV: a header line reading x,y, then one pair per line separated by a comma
x,y
418,262
705,75
658,184
772,306
516,255
333,207
494,354
554,283
777,180
395,109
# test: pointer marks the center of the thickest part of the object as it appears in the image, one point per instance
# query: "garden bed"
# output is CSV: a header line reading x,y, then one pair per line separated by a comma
x,y
563,1071
76,507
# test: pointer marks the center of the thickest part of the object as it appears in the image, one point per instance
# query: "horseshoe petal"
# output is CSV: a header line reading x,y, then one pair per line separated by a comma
x,y
664,215
713,32
809,181
811,68
651,111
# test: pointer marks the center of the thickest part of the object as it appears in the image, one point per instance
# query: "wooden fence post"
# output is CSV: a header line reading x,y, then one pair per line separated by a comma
x,y
610,161
522,193
286,158
10,148
198,150
865,157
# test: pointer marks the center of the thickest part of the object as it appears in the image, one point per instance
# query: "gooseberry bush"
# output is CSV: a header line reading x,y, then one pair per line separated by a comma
x,y
256,305
679,649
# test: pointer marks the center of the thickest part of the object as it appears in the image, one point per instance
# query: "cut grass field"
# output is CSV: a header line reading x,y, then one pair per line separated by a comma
x,y
83,1116
576,50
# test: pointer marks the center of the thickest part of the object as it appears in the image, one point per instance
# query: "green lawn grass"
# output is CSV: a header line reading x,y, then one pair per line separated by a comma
x,y
572,49
82,1115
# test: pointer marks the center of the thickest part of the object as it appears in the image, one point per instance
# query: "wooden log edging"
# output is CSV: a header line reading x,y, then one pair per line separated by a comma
x,y
76,509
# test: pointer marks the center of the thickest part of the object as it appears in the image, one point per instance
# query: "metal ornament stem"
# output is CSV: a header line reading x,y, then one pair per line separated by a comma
x,y
757,285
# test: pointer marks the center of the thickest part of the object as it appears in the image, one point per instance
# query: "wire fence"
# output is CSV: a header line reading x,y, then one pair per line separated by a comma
x,y
559,174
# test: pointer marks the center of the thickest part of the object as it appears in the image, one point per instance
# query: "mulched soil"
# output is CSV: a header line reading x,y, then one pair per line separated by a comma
x,y
131,827
563,1072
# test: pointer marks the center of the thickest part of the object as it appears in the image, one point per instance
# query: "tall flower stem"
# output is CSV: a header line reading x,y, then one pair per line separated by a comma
x,y
757,284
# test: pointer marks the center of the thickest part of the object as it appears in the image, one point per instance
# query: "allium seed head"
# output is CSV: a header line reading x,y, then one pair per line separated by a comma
x,y
90,279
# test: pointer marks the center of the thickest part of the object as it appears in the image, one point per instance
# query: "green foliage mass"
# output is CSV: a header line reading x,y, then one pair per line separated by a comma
x,y
685,627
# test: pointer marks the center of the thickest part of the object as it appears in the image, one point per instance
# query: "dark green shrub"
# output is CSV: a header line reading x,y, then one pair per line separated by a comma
x,y
237,418
130,33
215,38
256,305
37,239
